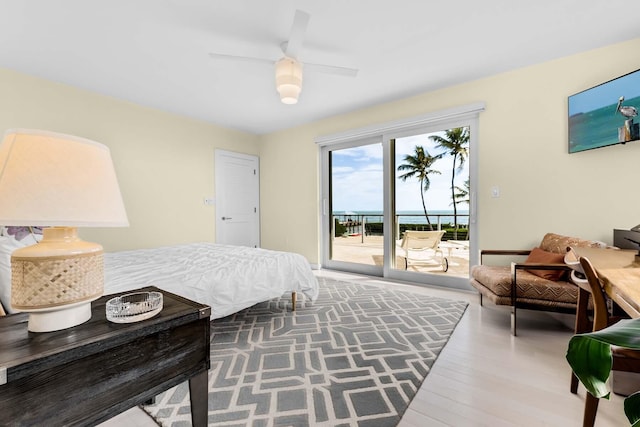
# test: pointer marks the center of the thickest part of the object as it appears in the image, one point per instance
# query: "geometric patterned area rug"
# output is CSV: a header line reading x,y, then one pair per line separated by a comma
x,y
355,357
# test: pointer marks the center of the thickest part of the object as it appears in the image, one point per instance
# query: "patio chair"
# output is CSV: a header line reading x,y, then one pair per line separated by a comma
x,y
538,283
422,247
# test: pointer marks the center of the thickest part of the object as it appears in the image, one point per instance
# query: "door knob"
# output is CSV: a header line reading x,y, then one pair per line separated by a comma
x,y
225,217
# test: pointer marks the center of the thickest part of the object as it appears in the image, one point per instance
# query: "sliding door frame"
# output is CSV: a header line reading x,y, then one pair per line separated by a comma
x,y
467,115
390,202
326,226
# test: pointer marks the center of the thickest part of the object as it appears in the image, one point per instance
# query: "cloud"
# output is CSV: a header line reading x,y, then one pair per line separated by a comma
x,y
363,153
342,170
357,178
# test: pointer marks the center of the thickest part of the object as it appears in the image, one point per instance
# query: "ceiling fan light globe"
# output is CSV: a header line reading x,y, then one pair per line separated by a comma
x,y
288,80
289,94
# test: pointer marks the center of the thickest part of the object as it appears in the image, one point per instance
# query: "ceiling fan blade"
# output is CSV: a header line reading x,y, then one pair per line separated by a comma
x,y
331,69
296,37
253,59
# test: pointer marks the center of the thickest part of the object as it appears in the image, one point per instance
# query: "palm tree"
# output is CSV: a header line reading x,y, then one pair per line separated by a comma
x,y
419,165
455,142
462,195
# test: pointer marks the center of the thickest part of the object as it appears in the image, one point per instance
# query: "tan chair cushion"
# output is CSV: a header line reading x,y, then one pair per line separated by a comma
x,y
531,288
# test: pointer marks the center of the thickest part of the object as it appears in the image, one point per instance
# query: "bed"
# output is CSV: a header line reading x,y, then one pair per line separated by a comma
x,y
227,278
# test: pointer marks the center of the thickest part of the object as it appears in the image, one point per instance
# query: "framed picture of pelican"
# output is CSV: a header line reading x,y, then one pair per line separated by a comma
x,y
605,114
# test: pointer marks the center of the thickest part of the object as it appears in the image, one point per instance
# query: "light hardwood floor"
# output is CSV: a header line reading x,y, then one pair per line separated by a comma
x,y
486,377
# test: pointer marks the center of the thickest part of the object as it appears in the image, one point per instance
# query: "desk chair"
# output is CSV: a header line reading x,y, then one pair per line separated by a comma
x,y
624,360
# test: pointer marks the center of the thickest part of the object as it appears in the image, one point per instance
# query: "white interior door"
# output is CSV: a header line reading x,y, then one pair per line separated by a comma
x,y
237,182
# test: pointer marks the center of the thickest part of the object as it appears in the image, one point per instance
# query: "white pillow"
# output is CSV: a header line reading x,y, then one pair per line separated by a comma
x,y
7,245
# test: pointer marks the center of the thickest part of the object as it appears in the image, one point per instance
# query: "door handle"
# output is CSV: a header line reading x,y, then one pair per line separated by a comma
x,y
226,217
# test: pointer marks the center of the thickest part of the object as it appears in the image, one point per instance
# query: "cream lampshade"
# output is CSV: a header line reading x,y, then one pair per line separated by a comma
x,y
60,182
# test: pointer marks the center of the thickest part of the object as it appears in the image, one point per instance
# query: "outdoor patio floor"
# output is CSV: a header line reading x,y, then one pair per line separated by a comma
x,y
368,250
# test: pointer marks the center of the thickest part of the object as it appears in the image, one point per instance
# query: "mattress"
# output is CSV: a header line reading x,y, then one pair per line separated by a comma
x,y
227,278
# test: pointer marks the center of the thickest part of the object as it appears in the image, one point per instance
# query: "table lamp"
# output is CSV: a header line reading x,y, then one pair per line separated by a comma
x,y
61,182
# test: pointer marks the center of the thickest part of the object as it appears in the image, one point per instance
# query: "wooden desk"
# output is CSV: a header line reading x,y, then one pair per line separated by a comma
x,y
91,372
619,271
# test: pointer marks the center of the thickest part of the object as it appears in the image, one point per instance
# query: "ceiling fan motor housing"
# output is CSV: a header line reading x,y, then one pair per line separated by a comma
x,y
288,80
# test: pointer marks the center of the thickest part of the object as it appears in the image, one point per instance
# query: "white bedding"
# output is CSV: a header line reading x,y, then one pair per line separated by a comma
x,y
227,278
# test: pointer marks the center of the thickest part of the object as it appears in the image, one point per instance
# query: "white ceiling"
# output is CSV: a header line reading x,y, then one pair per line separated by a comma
x,y
155,52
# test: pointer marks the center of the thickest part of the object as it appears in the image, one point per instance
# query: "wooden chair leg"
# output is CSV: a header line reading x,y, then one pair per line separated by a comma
x,y
582,325
574,383
590,409
513,320
293,300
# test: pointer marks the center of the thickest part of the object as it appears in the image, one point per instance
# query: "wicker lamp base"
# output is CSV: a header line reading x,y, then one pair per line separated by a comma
x,y
56,280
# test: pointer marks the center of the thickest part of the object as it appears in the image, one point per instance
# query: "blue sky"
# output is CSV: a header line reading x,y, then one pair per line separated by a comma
x,y
357,179
606,94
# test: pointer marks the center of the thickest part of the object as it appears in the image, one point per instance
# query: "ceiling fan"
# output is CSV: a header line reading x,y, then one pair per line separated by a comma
x,y
288,69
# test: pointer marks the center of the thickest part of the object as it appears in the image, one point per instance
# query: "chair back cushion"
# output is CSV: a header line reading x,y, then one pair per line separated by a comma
x,y
559,244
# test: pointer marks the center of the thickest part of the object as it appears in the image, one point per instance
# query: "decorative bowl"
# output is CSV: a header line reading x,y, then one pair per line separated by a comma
x,y
134,307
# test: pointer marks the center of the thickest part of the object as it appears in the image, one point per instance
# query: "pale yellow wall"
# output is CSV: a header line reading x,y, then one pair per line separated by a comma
x,y
522,149
164,162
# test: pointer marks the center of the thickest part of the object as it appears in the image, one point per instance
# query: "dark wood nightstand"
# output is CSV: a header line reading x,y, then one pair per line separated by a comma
x,y
87,374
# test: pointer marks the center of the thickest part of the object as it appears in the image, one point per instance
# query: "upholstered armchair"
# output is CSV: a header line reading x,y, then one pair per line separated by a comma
x,y
538,282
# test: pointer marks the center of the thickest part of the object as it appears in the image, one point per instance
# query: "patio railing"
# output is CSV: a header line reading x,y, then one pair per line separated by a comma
x,y
367,224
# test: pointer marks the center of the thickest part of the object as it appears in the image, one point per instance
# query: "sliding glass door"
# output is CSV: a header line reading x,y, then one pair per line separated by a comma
x,y
356,204
399,203
431,203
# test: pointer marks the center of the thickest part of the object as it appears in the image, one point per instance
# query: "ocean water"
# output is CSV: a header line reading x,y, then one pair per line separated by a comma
x,y
597,128
406,217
